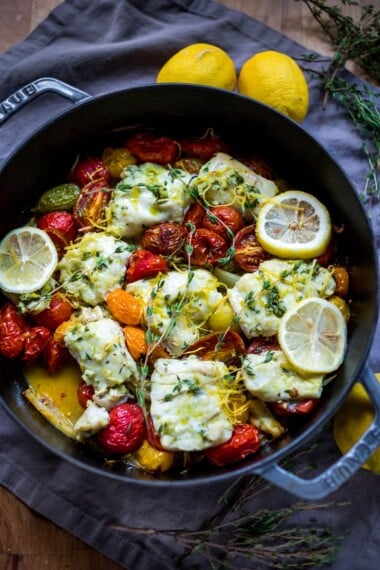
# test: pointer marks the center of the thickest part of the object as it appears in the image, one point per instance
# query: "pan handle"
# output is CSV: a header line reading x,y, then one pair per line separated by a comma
x,y
34,89
345,467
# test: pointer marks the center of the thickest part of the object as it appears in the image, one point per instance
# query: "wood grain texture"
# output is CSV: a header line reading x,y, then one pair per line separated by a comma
x,y
27,540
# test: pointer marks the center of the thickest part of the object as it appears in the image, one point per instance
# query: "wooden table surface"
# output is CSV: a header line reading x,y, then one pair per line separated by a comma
x,y
27,540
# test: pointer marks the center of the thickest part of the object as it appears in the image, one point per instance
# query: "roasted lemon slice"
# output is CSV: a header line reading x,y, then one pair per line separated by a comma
x,y
313,336
294,225
28,258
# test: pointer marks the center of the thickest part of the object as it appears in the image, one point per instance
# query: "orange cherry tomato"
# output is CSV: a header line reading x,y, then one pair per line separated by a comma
x,y
149,147
58,311
227,347
125,307
207,247
245,440
248,252
144,264
223,220
166,238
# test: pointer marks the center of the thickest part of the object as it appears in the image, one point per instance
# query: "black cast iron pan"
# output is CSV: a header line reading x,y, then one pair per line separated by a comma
x,y
42,162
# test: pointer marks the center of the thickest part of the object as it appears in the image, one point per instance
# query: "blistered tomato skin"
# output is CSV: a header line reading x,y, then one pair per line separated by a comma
x,y
144,264
60,226
207,247
263,344
54,355
126,430
89,169
223,220
166,238
149,147
36,339
59,310
203,148
248,252
85,393
228,348
194,216
245,440
89,207
12,331
287,409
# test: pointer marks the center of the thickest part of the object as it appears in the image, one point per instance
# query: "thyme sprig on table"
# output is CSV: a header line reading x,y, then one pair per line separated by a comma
x,y
239,537
356,41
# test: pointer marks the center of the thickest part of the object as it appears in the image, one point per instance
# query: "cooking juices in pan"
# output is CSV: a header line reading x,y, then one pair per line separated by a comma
x,y
174,302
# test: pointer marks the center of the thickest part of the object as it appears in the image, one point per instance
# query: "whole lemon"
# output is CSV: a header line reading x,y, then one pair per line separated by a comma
x,y
352,420
276,79
200,63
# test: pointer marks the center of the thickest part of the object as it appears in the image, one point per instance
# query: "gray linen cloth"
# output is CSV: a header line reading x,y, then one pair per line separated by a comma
x,y
102,46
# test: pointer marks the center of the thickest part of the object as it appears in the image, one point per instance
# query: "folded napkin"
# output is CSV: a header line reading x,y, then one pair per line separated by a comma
x,y
102,46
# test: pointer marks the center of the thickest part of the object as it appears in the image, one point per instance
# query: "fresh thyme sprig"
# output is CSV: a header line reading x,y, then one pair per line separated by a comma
x,y
356,41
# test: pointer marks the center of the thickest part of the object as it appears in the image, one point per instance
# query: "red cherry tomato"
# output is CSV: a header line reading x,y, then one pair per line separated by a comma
x,y
245,440
59,310
263,344
286,409
85,392
149,147
54,355
166,238
36,339
144,264
325,259
227,347
194,216
89,169
207,247
126,430
12,331
248,252
152,435
223,220
203,148
60,226
89,207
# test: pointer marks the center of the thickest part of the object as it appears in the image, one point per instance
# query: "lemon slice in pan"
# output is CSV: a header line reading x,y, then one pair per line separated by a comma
x,y
28,258
313,336
294,225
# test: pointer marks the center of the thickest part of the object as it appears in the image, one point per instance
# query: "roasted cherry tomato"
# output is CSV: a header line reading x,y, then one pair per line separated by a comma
x,y
36,339
194,216
91,202
263,344
12,331
259,165
203,148
144,264
59,310
166,238
245,440
149,147
207,247
54,355
326,257
85,393
227,347
89,169
293,408
126,430
60,226
223,220
248,252
192,165
152,435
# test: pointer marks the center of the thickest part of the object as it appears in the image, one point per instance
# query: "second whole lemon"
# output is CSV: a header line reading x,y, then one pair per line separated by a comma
x,y
276,79
200,63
